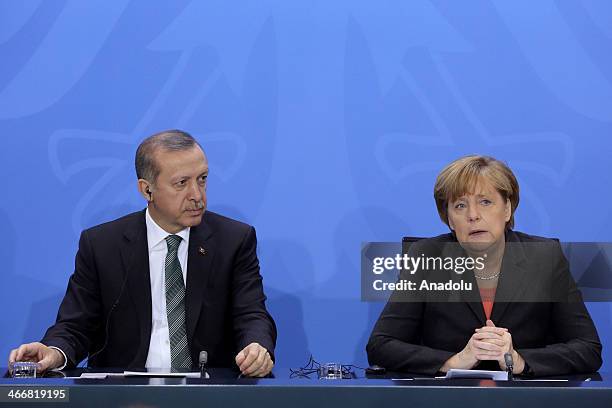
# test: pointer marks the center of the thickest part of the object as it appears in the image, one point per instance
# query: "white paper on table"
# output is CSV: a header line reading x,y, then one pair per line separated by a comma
x,y
492,375
161,374
100,375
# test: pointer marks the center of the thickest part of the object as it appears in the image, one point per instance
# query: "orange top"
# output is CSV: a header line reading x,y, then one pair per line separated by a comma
x,y
487,295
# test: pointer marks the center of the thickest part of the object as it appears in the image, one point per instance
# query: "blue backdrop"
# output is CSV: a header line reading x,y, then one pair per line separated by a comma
x,y
325,123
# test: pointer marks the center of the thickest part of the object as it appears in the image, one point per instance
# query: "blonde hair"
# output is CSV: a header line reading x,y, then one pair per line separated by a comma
x,y
461,176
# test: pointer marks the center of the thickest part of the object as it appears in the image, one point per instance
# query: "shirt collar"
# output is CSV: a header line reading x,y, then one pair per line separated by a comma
x,y
156,234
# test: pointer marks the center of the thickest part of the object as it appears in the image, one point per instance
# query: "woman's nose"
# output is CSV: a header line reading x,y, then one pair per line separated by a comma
x,y
473,214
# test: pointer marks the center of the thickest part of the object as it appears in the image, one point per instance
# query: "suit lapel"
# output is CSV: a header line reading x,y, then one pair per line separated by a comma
x,y
471,298
199,270
135,257
511,279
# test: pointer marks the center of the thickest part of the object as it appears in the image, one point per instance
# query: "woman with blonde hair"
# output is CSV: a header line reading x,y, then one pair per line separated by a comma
x,y
524,300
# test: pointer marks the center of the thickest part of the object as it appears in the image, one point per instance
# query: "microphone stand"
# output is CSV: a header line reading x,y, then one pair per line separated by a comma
x,y
203,359
509,365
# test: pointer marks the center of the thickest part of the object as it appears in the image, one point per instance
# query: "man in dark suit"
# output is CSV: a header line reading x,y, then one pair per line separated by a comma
x,y
156,287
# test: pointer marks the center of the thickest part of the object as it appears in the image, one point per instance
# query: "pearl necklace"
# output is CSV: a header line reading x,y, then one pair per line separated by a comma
x,y
487,277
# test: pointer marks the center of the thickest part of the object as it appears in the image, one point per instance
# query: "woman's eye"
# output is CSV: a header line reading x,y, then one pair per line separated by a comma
x,y
485,202
459,206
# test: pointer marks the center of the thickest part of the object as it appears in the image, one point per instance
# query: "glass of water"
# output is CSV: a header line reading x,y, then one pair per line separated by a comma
x,y
330,371
23,369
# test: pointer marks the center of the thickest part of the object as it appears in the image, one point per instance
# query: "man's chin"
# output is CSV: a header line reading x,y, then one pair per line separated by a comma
x,y
193,218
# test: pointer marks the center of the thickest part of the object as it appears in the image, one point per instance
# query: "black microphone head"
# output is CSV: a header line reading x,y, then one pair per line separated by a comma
x,y
203,359
508,359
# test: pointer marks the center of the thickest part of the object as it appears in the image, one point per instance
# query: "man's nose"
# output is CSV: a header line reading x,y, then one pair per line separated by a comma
x,y
196,192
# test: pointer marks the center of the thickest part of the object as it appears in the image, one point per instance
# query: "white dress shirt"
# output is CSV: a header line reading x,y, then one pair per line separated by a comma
x,y
159,345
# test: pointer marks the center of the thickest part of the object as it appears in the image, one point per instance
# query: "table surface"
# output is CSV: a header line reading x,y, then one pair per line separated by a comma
x,y
284,376
225,387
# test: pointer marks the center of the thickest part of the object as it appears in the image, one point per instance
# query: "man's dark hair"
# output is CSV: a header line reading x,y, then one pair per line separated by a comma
x,y
169,140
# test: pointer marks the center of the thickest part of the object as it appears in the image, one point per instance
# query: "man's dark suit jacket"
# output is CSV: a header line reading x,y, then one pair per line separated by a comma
x,y
224,300
554,337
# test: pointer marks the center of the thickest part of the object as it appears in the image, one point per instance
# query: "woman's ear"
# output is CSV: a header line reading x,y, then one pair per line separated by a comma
x,y
451,224
508,210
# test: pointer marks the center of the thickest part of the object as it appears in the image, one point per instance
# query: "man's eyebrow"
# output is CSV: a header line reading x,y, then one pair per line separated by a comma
x,y
186,176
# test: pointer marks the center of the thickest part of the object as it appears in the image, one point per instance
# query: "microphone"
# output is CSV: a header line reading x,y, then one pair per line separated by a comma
x,y
509,365
203,359
108,317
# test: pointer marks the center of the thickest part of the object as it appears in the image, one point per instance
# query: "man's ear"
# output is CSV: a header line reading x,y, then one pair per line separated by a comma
x,y
145,189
